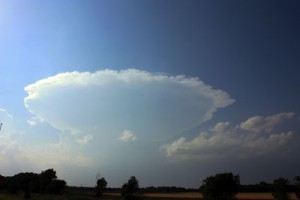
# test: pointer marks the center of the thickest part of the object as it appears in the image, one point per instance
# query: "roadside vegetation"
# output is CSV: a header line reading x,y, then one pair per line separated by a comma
x,y
222,186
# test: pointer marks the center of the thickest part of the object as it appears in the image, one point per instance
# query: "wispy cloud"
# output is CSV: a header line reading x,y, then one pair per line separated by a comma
x,y
238,141
85,139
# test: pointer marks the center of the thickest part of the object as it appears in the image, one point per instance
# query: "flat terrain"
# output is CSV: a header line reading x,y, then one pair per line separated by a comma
x,y
196,195
84,195
19,196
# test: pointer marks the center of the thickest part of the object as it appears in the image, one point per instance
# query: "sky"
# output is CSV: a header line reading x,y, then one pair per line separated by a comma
x,y
168,91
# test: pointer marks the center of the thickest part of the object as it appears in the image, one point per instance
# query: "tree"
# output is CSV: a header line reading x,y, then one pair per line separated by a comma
x,y
223,186
48,174
56,186
100,187
297,186
32,182
280,189
45,178
130,188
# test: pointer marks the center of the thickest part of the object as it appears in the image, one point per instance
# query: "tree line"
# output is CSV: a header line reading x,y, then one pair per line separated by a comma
x,y
222,186
45,182
225,186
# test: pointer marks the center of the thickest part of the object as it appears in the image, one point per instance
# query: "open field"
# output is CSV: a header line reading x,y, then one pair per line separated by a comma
x,y
85,195
196,195
19,196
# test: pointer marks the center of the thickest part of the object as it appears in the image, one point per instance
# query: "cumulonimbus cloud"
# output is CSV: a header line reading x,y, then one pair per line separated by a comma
x,y
238,141
108,102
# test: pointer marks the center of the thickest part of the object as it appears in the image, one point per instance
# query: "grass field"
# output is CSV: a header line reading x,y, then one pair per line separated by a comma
x,y
86,195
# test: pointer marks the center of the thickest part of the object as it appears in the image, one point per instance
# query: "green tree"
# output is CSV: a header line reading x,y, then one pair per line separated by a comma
x,y
297,186
130,188
100,187
223,186
280,189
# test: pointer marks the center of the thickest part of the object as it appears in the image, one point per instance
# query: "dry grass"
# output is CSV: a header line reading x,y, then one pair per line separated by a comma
x,y
186,195
260,196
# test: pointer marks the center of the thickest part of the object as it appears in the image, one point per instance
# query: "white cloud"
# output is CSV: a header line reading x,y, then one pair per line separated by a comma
x,y
17,155
221,127
126,136
106,102
266,124
154,105
34,120
5,112
40,157
237,141
85,139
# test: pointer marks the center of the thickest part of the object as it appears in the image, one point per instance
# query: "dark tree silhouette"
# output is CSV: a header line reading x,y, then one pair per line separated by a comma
x,y
280,189
100,187
56,186
48,174
222,186
32,182
45,179
27,195
297,186
130,188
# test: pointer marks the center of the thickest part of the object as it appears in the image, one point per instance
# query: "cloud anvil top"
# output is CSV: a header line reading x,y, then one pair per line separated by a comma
x,y
143,102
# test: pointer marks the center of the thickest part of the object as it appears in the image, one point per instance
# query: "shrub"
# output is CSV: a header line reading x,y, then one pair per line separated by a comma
x,y
222,186
280,189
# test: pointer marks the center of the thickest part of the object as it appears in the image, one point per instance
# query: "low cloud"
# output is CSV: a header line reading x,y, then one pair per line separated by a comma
x,y
238,141
56,155
16,155
265,124
126,136
107,102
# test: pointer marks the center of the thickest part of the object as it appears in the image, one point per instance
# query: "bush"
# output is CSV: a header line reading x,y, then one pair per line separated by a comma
x,y
280,189
56,186
27,195
222,186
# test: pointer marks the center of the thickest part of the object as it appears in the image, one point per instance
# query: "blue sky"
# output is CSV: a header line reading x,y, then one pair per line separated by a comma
x,y
168,91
